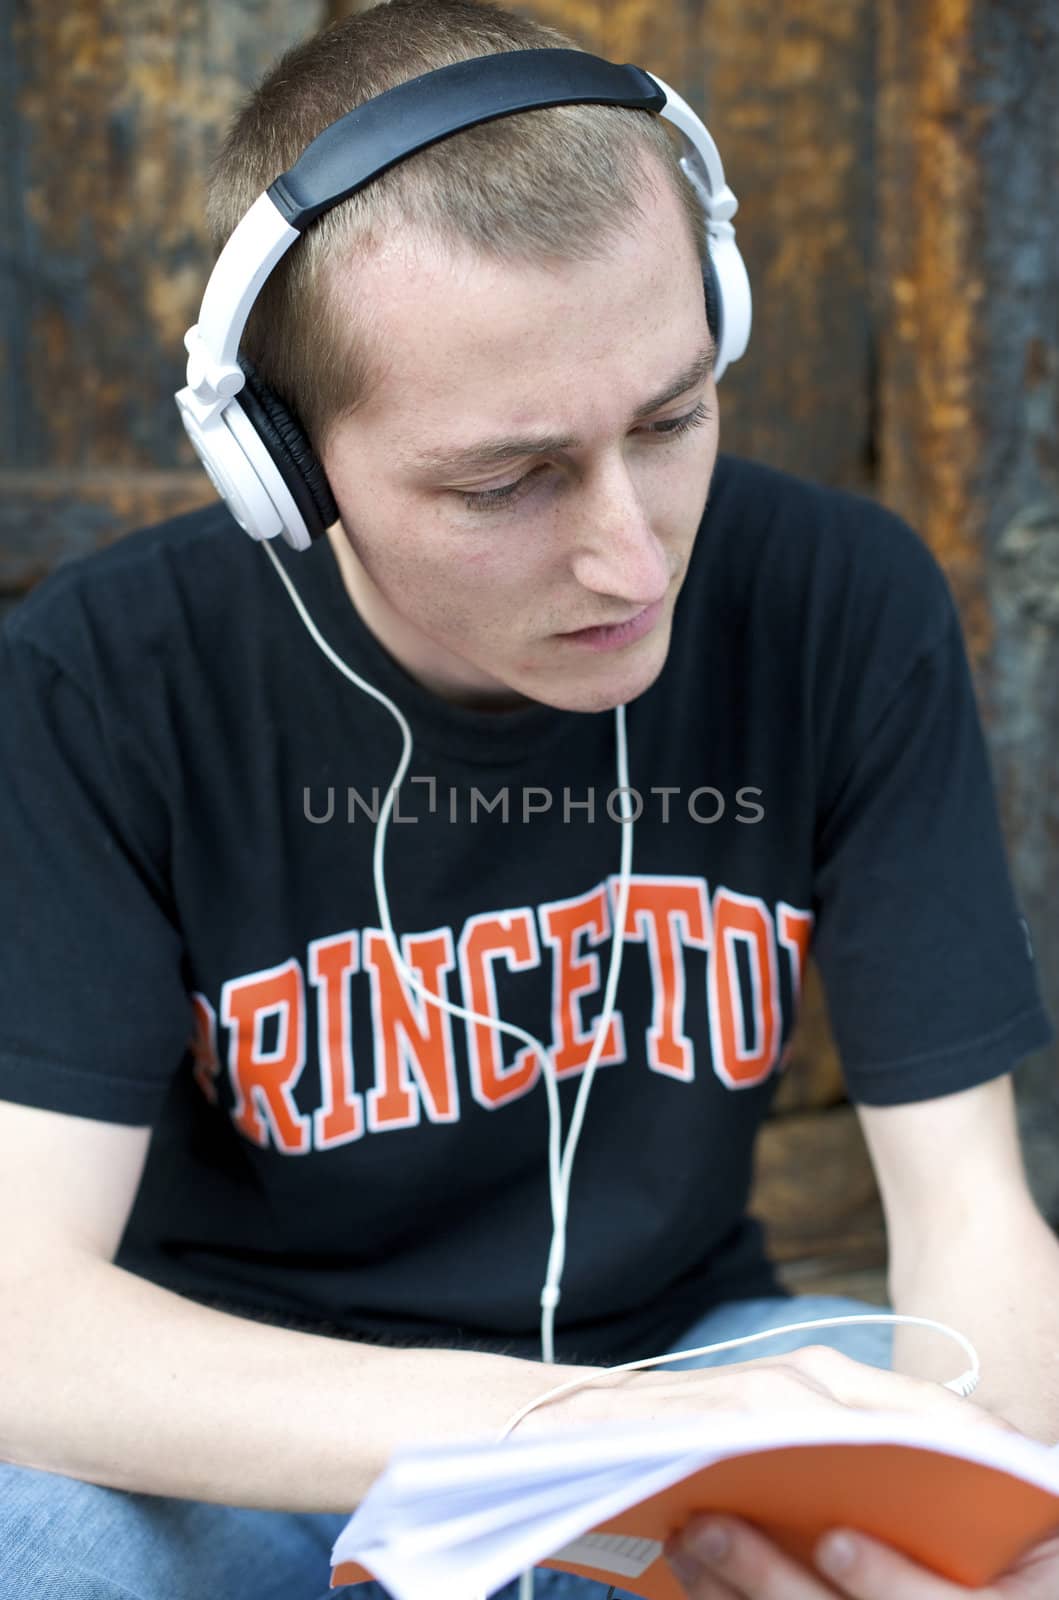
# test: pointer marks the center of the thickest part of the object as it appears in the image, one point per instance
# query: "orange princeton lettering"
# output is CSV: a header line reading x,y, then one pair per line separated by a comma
x,y
262,1080
511,937
340,1119
414,1061
668,913
565,924
743,919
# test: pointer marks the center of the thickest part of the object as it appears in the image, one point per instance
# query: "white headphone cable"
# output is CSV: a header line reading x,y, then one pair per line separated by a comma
x,y
560,1161
964,1385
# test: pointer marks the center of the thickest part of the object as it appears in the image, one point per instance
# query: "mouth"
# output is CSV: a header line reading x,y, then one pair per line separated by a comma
x,y
613,635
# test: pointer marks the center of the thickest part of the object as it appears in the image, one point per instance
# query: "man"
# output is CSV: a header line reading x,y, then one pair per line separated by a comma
x,y
188,830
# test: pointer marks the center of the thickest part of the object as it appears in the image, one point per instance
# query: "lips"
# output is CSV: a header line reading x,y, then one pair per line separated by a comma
x,y
596,627
612,635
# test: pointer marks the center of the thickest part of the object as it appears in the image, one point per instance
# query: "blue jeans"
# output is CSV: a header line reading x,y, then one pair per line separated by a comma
x,y
61,1539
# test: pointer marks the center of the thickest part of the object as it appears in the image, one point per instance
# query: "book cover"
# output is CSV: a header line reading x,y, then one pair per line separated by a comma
x,y
448,1522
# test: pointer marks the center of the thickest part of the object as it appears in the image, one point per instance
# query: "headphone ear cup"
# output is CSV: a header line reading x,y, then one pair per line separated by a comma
x,y
285,440
713,297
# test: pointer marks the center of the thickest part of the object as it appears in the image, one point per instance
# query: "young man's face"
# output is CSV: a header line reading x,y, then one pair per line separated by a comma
x,y
557,583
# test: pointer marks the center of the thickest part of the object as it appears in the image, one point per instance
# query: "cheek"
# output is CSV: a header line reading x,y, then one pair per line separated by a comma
x,y
451,579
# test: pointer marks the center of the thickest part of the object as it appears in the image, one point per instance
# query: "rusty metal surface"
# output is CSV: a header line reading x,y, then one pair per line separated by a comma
x,y
815,1191
117,107
931,287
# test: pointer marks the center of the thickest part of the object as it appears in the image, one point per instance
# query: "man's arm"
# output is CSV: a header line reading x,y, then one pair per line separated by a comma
x,y
116,1381
969,1248
111,1379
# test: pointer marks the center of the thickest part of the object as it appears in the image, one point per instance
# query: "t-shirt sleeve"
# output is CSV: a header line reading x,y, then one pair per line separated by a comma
x,y
926,960
94,1016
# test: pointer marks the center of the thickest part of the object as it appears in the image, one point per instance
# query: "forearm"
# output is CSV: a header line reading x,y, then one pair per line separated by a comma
x,y
113,1380
996,1280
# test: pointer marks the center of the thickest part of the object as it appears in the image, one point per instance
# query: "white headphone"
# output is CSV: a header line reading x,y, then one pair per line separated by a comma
x,y
254,449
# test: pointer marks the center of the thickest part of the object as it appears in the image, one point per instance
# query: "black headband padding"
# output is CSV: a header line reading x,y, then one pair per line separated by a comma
x,y
290,450
714,302
383,131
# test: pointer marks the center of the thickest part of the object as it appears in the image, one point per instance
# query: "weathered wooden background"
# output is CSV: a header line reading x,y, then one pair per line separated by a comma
x,y
898,168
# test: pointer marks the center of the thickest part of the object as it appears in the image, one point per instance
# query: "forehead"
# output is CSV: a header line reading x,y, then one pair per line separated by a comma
x,y
460,337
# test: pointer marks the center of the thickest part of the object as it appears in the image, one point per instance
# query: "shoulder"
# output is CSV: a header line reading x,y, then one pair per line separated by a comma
x,y
823,567
130,665
793,525
132,588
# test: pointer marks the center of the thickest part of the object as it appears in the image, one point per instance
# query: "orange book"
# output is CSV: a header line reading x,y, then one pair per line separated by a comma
x,y
448,1522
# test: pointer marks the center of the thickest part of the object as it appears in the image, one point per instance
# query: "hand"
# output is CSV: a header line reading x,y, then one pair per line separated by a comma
x,y
811,1378
754,1569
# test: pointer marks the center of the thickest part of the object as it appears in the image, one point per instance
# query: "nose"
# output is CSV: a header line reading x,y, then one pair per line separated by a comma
x,y
617,552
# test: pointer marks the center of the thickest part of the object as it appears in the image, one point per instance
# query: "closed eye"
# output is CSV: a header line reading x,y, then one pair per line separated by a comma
x,y
506,494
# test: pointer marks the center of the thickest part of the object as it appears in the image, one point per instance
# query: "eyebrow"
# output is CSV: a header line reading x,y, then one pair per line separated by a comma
x,y
493,452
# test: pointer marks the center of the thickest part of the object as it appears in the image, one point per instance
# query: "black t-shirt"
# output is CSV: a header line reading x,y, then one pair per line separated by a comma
x,y
192,934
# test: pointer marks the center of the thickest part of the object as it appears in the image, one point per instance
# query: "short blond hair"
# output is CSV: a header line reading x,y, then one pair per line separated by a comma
x,y
550,184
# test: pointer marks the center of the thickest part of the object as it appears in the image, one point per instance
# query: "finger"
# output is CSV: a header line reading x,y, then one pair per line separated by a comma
x,y
1035,1574
750,1564
698,1584
864,1569
871,1388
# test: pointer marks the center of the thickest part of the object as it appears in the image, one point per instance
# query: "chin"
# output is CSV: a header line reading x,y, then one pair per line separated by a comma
x,y
616,684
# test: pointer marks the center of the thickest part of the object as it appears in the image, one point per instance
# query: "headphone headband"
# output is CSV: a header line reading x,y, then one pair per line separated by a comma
x,y
375,136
